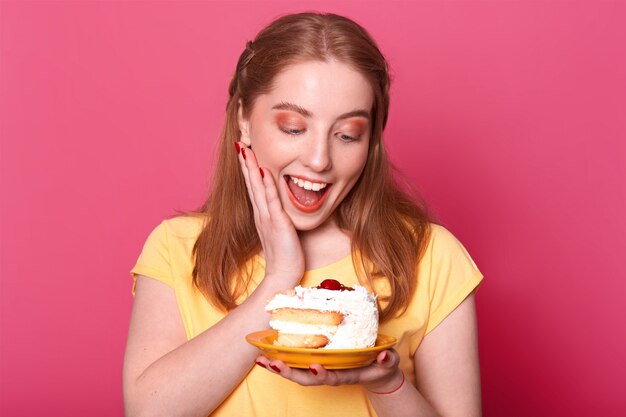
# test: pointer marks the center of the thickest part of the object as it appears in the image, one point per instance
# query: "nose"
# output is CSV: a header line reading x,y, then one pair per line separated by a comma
x,y
317,155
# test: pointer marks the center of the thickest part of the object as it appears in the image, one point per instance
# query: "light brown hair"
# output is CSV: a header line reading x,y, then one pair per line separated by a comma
x,y
389,229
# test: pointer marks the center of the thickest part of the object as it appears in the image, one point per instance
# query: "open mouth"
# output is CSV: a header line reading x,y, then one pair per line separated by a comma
x,y
307,196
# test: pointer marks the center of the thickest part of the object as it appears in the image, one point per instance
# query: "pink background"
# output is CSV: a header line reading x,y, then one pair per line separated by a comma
x,y
509,116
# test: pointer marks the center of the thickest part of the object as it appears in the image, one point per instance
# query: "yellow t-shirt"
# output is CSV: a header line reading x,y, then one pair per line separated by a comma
x,y
446,276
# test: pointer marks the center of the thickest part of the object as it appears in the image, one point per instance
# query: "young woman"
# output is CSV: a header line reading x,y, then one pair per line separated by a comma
x,y
302,192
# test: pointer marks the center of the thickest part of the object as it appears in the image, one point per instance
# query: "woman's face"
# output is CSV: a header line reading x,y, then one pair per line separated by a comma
x,y
312,132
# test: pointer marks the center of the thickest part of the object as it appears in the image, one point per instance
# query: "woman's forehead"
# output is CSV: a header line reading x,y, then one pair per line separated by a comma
x,y
319,88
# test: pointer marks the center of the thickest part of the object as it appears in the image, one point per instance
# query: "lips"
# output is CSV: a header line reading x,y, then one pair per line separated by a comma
x,y
305,194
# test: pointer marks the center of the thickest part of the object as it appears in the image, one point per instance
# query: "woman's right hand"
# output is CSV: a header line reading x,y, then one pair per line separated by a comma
x,y
284,257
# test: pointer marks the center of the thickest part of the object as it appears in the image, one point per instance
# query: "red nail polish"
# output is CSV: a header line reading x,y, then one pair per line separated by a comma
x,y
243,153
386,357
262,173
237,147
260,364
275,368
313,371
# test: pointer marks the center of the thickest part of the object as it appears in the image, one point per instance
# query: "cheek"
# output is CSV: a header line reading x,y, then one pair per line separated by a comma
x,y
267,158
271,156
352,166
264,146
359,159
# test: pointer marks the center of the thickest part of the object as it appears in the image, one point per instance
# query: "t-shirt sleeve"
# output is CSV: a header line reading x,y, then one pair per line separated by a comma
x,y
154,260
453,276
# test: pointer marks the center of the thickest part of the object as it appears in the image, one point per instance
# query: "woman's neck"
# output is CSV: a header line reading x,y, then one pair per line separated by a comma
x,y
324,245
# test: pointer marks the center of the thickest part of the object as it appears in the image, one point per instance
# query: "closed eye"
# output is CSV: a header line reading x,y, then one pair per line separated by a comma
x,y
293,131
347,138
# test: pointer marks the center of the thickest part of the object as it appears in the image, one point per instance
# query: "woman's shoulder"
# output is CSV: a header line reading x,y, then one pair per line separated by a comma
x,y
430,235
440,234
184,226
443,244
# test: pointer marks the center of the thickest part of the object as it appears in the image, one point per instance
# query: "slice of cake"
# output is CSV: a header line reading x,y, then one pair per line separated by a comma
x,y
330,316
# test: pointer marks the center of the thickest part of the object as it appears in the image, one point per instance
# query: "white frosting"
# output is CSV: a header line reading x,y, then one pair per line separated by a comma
x,y
358,329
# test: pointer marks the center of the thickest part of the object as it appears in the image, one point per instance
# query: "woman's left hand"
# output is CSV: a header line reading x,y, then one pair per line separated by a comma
x,y
382,375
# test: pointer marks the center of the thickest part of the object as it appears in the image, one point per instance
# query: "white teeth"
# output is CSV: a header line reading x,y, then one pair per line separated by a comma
x,y
308,185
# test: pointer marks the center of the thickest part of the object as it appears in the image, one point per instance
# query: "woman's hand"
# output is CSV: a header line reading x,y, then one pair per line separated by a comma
x,y
282,250
381,376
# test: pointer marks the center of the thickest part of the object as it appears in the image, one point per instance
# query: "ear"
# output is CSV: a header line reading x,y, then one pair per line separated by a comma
x,y
244,125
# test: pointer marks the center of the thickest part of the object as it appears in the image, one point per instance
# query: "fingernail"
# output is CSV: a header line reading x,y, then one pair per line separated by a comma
x,y
243,153
260,364
275,368
237,147
313,371
262,173
385,357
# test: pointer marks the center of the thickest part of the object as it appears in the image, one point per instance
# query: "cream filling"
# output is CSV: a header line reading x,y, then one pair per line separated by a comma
x,y
300,328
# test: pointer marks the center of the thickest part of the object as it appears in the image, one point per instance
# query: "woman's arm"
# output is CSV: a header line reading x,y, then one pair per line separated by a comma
x,y
447,372
446,364
446,369
166,375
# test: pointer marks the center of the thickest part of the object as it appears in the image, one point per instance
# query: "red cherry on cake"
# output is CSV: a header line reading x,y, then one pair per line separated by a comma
x,y
331,284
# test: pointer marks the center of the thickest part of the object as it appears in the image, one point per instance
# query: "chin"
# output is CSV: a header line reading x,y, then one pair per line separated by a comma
x,y
306,225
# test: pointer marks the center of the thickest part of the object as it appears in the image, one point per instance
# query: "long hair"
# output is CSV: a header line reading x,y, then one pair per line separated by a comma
x,y
389,230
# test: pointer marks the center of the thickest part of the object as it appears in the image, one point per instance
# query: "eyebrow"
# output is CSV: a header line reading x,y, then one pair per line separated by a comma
x,y
283,105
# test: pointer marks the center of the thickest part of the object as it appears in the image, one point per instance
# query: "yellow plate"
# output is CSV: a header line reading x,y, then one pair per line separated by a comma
x,y
329,358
